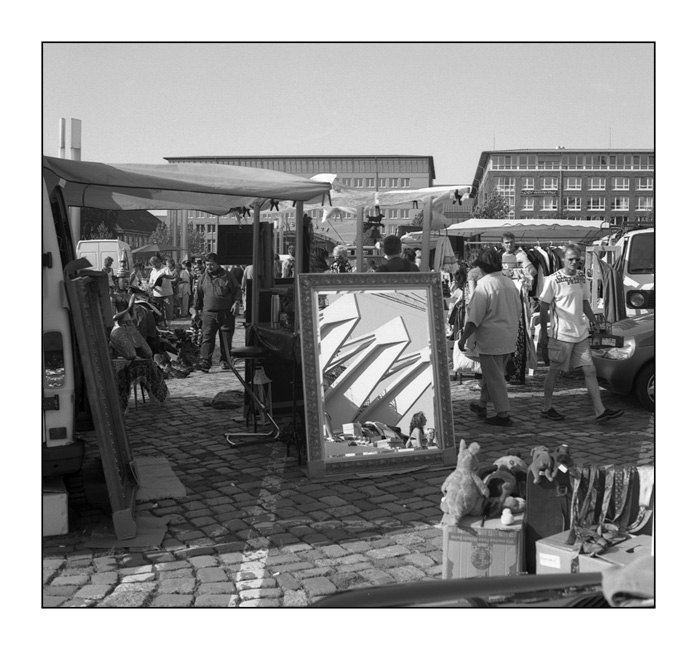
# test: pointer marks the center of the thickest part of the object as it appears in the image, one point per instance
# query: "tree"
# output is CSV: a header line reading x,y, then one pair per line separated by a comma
x,y
495,208
161,235
102,231
197,242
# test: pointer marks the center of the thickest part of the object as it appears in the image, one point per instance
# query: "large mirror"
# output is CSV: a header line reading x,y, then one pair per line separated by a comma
x,y
375,372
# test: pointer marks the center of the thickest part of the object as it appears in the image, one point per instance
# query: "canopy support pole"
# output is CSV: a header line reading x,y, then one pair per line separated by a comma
x,y
299,255
426,236
359,240
256,264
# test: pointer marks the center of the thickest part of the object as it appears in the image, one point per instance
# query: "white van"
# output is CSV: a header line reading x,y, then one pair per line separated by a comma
x,y
97,250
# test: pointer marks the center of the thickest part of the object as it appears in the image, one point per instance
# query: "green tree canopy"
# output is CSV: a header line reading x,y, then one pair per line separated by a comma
x,y
495,208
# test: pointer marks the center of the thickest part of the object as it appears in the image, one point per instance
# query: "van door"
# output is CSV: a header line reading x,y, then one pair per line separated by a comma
x,y
62,454
639,272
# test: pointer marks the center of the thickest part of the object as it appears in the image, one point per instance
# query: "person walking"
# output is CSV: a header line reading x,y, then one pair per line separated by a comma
x,y
492,317
394,262
217,301
174,273
160,281
184,289
565,314
108,269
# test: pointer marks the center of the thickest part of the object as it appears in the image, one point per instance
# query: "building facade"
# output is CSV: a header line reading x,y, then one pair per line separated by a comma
x,y
365,173
612,185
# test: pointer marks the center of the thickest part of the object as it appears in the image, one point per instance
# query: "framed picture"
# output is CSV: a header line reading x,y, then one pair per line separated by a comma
x,y
375,372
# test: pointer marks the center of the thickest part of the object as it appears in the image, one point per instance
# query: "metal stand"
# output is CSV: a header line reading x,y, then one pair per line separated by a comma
x,y
249,353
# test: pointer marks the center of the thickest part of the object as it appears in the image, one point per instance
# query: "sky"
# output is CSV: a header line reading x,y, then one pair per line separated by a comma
x,y
142,102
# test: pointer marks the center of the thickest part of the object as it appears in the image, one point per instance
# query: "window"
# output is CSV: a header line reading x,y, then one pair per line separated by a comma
x,y
620,203
528,204
404,214
394,182
596,203
642,254
572,202
358,182
392,213
596,183
644,184
370,182
405,182
382,182
528,183
505,183
645,203
572,183
550,203
620,184
550,183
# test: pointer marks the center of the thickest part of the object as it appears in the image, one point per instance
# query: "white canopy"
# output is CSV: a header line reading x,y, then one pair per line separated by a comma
x,y
182,186
529,229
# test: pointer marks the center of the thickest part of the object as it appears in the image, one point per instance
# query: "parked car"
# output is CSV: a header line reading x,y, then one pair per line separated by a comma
x,y
631,368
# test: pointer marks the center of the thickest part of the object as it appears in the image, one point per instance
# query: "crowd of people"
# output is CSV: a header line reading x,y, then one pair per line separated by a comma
x,y
485,315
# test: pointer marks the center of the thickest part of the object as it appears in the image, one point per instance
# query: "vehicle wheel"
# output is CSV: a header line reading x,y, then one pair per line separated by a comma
x,y
646,386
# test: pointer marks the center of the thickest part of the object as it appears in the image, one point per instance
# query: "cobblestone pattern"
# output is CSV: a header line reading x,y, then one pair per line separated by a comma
x,y
253,531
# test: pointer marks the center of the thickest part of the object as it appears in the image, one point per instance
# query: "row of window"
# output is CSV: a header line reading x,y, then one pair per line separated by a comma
x,y
573,161
595,183
370,182
551,203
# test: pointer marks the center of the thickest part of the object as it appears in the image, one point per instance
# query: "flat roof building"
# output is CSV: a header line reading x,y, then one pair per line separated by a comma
x,y
613,185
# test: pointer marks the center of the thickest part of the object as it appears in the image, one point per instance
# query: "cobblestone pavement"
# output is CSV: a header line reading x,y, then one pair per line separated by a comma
x,y
254,531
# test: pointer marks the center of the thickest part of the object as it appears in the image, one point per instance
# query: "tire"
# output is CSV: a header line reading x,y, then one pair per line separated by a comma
x,y
646,386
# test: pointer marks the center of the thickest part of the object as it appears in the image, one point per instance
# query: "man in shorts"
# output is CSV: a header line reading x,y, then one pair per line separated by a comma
x,y
565,308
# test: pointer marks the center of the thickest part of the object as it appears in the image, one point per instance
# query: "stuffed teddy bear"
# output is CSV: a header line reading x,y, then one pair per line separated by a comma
x,y
542,463
562,461
501,483
463,491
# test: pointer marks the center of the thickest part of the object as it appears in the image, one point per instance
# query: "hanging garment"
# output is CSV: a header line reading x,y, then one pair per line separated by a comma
x,y
614,307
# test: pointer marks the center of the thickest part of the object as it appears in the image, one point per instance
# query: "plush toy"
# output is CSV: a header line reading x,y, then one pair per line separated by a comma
x,y
515,504
562,461
507,518
501,483
464,492
512,462
542,463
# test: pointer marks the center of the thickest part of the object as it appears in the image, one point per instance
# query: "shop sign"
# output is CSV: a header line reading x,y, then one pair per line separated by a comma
x,y
539,192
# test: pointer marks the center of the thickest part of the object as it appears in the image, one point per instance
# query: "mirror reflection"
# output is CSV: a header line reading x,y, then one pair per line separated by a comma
x,y
377,372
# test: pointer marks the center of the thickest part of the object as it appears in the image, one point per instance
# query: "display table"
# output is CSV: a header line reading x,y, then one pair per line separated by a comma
x,y
143,372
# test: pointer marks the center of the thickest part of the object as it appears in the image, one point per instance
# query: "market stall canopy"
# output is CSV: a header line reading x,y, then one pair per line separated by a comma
x,y
155,248
529,229
213,188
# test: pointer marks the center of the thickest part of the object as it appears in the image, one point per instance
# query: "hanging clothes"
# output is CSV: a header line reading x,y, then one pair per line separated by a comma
x,y
614,307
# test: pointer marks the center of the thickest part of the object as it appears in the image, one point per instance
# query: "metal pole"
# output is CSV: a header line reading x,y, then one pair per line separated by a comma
x,y
256,264
75,154
359,240
299,206
426,236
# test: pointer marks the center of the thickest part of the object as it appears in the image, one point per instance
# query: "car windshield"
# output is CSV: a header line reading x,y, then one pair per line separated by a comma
x,y
641,254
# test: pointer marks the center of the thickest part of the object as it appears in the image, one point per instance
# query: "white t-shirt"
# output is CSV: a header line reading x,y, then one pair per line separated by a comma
x,y
164,289
565,295
495,309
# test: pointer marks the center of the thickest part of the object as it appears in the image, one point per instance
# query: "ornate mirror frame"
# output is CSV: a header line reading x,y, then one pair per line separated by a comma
x,y
310,286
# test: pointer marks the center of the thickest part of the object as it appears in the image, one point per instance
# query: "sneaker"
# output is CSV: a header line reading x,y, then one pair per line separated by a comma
x,y
551,414
479,410
499,421
608,414
202,366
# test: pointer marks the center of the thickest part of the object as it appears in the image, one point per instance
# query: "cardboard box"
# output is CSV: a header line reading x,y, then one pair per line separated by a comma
x,y
555,556
473,549
54,508
620,555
